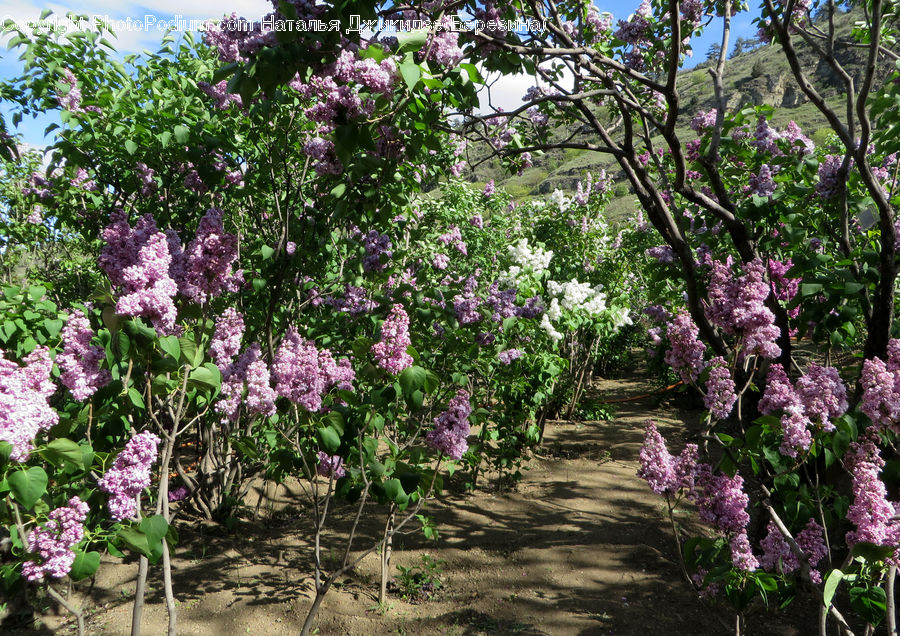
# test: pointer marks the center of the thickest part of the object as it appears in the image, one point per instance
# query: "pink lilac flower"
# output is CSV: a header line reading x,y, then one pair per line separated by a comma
x,y
443,46
451,428
489,189
477,221
52,543
330,465
137,262
870,512
226,341
129,475
822,394
721,500
784,288
762,184
248,371
390,352
830,180
663,472
720,396
779,393
145,175
209,260
703,119
812,541
881,394
24,411
508,355
304,374
686,353
71,100
79,360
737,305
741,555
662,254
777,555
795,428
440,261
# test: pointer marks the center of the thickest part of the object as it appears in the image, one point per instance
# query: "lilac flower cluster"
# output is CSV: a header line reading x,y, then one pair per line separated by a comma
x,y
870,512
454,236
129,475
79,360
662,253
443,46
720,499
663,472
390,352
205,268
881,390
778,557
737,305
831,181
249,371
489,189
762,184
508,355
145,174
784,288
686,353
71,100
703,119
819,396
137,262
330,465
220,95
376,245
720,396
378,77
451,428
226,341
304,374
354,301
53,542
24,411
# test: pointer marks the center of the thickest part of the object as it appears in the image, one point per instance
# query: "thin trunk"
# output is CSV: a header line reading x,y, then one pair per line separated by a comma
x,y
386,548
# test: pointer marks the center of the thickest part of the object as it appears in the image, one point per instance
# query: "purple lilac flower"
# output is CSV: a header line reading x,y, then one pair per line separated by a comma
x,y
376,245
79,360
304,374
489,189
52,543
451,428
686,354
870,512
251,372
795,428
208,261
703,119
226,341
179,494
737,305
330,465
762,184
741,555
779,393
390,353
508,355
440,261
477,221
24,411
720,396
830,180
721,500
663,472
822,394
443,46
662,254
137,261
71,100
881,394
129,475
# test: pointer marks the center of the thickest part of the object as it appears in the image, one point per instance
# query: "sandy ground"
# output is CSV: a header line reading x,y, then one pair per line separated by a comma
x,y
580,546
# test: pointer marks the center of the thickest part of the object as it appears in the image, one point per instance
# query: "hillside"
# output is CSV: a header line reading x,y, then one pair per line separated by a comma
x,y
756,76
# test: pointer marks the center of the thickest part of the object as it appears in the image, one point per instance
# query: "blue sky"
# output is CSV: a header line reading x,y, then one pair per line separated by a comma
x,y
507,93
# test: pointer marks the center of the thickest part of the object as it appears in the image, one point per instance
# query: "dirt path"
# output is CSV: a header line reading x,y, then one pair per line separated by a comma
x,y
581,546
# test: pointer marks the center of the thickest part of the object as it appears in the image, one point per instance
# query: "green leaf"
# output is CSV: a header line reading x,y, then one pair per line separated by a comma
x,y
394,491
832,581
871,552
135,396
85,564
412,378
330,439
134,539
53,326
28,485
181,133
869,602
60,450
411,73
190,352
266,252
207,375
171,346
130,146
411,40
